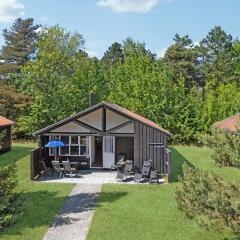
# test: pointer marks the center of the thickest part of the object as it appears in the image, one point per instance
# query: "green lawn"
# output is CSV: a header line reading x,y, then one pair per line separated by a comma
x,y
42,201
123,211
150,211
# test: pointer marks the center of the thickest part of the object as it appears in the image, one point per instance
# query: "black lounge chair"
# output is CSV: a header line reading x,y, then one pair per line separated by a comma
x,y
128,171
139,177
68,169
154,176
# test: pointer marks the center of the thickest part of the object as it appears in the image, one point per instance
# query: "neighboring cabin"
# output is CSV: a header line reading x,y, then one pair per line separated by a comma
x,y
97,135
5,134
231,124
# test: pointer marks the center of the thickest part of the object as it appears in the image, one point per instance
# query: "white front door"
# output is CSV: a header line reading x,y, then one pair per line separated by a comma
x,y
108,151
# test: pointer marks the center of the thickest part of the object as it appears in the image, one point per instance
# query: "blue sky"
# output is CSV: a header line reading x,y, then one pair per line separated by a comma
x,y
102,22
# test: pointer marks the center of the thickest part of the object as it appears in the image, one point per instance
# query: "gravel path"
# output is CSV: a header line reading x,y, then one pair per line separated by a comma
x,y
75,217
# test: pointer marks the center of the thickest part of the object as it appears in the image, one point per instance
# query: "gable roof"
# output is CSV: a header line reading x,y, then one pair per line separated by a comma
x,y
5,122
110,106
231,124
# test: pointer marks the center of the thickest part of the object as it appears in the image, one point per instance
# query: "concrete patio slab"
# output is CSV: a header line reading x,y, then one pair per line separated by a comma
x,y
92,176
73,220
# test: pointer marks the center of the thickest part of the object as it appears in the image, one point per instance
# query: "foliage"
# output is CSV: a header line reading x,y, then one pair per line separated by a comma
x,y
59,79
48,79
3,134
19,47
186,91
182,59
10,206
41,201
12,103
145,86
113,55
225,147
216,56
206,197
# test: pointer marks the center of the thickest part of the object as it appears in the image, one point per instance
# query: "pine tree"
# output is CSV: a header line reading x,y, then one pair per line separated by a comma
x,y
19,47
216,57
182,59
113,55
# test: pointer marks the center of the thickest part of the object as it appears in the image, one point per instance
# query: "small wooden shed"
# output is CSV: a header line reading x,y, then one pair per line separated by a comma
x,y
5,134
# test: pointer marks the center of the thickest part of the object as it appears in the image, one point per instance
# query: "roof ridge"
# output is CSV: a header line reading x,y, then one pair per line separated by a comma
x,y
225,119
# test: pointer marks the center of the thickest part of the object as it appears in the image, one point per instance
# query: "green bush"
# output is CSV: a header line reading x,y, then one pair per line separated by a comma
x,y
225,147
10,206
210,200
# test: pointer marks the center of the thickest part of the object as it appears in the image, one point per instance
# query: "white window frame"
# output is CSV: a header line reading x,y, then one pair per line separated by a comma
x,y
57,150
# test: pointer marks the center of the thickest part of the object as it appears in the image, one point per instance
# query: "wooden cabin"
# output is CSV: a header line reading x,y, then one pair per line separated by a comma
x,y
5,134
99,134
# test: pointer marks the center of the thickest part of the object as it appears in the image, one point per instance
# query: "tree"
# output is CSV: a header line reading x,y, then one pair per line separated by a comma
x,y
12,103
182,58
10,204
210,200
131,47
236,48
20,46
216,57
59,79
113,55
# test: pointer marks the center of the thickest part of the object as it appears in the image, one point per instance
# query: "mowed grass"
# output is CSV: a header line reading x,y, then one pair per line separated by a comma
x,y
41,201
200,157
150,211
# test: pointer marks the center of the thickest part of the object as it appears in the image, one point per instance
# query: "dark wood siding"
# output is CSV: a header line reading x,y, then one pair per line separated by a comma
x,y
125,145
6,141
144,135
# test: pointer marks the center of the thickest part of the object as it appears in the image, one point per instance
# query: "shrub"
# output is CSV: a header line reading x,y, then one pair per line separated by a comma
x,y
210,200
10,206
225,147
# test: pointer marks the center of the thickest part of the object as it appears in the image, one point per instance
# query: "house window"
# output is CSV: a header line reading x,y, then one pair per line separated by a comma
x,y
65,139
74,150
53,151
74,140
109,144
74,146
64,150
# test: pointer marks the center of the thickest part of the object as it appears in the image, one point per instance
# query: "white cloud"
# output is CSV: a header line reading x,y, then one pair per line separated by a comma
x,y
161,52
195,44
142,6
91,54
43,18
10,9
38,30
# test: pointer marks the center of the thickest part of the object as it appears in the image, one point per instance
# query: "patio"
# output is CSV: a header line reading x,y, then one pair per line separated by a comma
x,y
91,176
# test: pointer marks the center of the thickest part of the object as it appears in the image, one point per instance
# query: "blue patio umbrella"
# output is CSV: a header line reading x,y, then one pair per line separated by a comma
x,y
55,144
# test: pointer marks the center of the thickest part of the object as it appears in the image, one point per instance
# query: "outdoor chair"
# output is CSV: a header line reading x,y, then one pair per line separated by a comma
x,y
120,176
68,169
144,173
123,174
57,168
153,176
119,163
128,169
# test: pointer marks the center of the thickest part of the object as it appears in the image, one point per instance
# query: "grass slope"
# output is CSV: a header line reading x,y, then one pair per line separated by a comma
x,y
150,211
42,201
